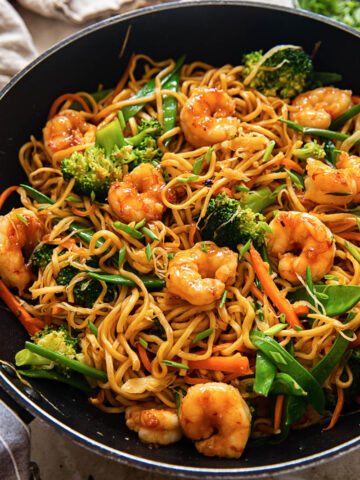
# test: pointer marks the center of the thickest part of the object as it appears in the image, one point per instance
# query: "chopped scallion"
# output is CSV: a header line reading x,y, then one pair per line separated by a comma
x,y
189,179
203,247
170,363
129,230
244,249
223,299
143,343
93,328
140,224
268,151
22,219
209,154
309,280
149,252
121,259
352,249
197,165
146,231
275,329
202,335
72,199
242,188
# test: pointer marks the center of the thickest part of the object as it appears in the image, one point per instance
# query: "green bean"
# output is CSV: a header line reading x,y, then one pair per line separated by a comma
x,y
265,372
339,121
67,362
147,90
77,382
146,231
319,132
150,282
36,195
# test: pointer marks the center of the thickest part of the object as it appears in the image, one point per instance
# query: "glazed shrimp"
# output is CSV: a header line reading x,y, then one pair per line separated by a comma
x,y
343,182
317,108
199,276
19,229
154,425
207,117
67,129
138,196
294,231
217,417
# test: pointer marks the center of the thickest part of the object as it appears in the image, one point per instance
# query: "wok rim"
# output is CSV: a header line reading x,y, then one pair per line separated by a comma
x,y
94,445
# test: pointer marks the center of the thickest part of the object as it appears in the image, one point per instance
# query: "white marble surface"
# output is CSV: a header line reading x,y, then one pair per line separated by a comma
x,y
61,459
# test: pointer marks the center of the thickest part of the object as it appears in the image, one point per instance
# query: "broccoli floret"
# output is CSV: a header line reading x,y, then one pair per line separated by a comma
x,y
228,224
284,74
92,170
142,148
56,339
101,165
42,255
311,149
258,200
86,292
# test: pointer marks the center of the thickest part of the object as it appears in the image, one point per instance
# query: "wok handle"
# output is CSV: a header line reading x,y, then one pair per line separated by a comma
x,y
25,416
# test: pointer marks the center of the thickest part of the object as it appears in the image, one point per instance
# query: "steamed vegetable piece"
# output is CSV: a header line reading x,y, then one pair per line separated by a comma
x,y
260,199
170,105
286,363
265,372
42,255
148,89
284,71
339,121
340,298
345,11
295,407
100,165
55,339
319,132
311,149
73,379
228,224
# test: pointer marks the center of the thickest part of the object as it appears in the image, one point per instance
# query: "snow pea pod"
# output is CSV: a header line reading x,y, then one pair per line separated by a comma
x,y
294,407
148,89
74,381
286,363
284,384
265,372
341,298
170,105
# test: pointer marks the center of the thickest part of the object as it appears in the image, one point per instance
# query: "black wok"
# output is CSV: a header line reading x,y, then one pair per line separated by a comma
x,y
215,32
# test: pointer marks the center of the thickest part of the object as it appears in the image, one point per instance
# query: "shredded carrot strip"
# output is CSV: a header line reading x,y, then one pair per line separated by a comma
x,y
195,380
225,190
301,309
31,324
192,232
259,295
122,81
355,99
290,164
67,96
55,310
6,194
84,213
271,289
238,364
70,244
338,409
278,411
230,376
144,357
350,236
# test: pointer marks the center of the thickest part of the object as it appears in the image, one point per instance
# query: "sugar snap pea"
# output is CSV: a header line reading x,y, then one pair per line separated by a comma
x,y
148,89
170,104
74,381
284,384
341,298
265,372
287,364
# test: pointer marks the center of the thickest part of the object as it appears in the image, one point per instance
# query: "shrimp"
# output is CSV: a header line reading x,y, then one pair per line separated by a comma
x,y
327,185
207,117
199,276
317,108
154,425
297,231
217,417
67,129
138,196
19,229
